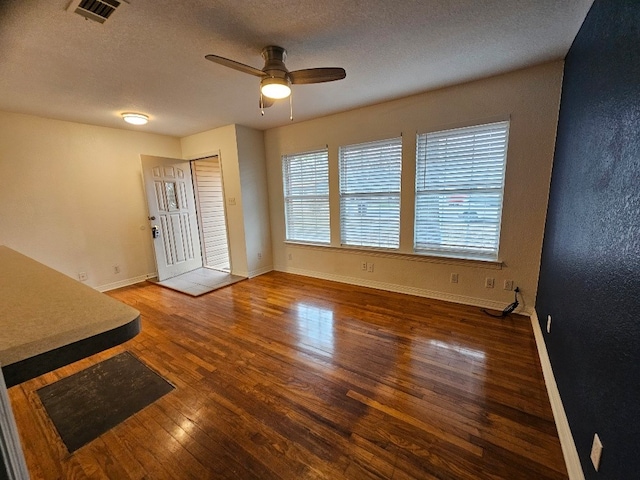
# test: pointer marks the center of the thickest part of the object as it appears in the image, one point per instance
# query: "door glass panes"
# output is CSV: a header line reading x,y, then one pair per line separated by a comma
x,y
172,198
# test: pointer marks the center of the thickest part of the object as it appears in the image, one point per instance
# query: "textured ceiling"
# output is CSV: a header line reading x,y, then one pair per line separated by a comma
x,y
149,56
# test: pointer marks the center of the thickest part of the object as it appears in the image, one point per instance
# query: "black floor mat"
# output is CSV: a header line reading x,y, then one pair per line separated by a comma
x,y
86,404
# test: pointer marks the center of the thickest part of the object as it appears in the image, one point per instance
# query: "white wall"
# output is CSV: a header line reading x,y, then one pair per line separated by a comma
x,y
255,199
530,98
72,196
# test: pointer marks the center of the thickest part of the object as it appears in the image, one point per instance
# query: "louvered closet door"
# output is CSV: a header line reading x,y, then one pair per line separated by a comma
x,y
213,226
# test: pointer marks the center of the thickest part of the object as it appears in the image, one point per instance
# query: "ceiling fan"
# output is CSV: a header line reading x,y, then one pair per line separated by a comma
x,y
276,79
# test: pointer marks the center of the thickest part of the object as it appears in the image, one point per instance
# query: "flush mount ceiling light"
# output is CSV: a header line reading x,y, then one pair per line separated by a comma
x,y
276,88
135,118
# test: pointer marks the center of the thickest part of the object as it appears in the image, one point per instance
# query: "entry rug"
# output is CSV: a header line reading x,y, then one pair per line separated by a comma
x,y
86,404
200,281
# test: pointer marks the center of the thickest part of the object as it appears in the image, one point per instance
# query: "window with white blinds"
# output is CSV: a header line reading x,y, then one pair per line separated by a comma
x,y
459,188
370,193
306,196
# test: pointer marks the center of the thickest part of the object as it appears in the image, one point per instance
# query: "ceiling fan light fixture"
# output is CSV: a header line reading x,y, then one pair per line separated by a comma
x,y
276,88
135,118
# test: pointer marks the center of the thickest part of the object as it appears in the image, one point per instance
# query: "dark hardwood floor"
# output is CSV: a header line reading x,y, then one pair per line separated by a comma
x,y
290,377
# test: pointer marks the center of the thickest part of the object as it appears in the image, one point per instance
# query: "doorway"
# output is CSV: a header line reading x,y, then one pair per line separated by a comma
x,y
188,223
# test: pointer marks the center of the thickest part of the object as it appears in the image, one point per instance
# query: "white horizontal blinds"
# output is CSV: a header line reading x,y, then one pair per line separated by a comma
x,y
306,196
459,187
370,193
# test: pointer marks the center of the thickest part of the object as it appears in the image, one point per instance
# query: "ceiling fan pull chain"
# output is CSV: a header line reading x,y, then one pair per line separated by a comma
x,y
291,107
261,104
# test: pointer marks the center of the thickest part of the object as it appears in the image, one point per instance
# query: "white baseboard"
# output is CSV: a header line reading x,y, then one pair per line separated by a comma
x,y
392,287
562,423
260,271
125,283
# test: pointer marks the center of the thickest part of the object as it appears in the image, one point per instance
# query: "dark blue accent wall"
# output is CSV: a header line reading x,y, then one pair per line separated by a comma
x,y
590,271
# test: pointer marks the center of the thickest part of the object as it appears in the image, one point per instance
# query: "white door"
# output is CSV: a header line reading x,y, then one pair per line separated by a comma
x,y
172,215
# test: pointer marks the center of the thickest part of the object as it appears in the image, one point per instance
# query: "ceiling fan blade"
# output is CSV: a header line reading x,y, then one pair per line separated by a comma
x,y
241,67
317,75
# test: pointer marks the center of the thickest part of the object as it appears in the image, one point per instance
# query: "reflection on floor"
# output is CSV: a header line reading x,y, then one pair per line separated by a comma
x,y
200,281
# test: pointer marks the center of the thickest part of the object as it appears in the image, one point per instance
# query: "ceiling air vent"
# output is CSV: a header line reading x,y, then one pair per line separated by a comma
x,y
96,10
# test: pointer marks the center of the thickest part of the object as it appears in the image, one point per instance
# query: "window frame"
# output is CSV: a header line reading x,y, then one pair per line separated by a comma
x,y
310,200
469,247
370,198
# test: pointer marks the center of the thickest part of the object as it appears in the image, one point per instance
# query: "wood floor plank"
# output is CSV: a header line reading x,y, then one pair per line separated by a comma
x,y
461,439
288,377
118,453
216,440
40,456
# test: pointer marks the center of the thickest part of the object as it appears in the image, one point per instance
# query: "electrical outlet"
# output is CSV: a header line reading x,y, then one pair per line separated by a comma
x,y
489,282
83,277
291,256
116,269
454,278
370,267
259,255
508,285
596,452
363,266
548,323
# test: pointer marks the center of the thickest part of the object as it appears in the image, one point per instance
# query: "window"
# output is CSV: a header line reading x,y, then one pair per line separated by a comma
x,y
370,193
459,187
306,196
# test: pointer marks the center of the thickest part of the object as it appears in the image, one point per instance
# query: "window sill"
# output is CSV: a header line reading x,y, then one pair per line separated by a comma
x,y
415,257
